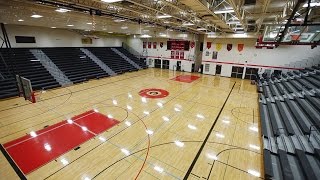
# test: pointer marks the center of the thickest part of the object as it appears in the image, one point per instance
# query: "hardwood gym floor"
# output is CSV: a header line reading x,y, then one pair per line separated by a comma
x,y
182,144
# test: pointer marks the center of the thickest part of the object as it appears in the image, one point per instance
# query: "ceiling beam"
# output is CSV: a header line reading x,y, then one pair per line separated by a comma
x,y
237,11
263,11
159,11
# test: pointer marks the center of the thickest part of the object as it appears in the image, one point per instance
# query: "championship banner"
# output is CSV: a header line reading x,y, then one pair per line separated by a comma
x,y
208,45
177,55
218,46
144,45
240,47
161,44
149,45
154,45
192,45
229,47
181,55
172,54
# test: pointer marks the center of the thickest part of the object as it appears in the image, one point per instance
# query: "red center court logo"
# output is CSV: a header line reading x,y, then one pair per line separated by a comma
x,y
153,93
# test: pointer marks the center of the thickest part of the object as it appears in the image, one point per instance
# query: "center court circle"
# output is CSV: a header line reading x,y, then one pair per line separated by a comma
x,y
153,93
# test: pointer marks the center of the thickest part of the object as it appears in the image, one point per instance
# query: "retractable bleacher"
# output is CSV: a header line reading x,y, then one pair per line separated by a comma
x,y
21,61
138,61
290,120
74,64
112,60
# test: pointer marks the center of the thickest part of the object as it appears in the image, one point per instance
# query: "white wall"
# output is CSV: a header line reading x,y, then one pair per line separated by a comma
x,y
286,56
47,37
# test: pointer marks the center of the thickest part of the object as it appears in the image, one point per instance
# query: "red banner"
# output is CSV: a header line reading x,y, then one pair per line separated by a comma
x,y
240,47
144,45
172,54
154,45
181,55
149,45
229,47
192,45
208,45
177,55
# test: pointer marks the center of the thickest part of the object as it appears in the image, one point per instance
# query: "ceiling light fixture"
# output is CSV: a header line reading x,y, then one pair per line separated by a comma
x,y
164,16
20,20
36,16
53,27
201,29
224,11
314,4
187,24
145,36
124,27
62,10
89,23
70,25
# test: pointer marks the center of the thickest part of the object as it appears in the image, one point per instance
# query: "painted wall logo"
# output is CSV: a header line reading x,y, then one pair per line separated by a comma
x,y
153,93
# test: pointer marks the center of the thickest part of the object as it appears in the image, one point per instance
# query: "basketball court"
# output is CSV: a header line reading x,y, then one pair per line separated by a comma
x,y
160,89
151,138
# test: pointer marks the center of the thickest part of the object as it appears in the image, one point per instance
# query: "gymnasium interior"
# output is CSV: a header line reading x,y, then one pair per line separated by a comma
x,y
160,89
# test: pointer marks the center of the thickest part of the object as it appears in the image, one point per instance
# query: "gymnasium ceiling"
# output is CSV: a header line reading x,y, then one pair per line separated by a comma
x,y
156,17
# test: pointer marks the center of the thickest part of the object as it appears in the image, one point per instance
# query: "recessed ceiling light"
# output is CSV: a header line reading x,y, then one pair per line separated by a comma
x,y
110,32
62,10
89,23
124,27
53,27
36,16
70,25
20,20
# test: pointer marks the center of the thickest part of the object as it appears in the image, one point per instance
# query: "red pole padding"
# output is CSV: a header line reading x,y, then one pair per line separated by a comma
x,y
33,97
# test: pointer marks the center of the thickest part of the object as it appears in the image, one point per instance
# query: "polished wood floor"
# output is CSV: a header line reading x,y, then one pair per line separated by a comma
x,y
182,144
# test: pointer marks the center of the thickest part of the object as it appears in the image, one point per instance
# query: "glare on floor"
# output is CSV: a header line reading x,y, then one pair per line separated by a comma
x,y
158,168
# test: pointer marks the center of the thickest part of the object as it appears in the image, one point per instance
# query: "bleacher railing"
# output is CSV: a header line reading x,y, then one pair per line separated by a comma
x,y
49,64
132,51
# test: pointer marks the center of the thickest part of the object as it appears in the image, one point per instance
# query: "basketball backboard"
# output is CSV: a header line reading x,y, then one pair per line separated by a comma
x,y
25,88
299,35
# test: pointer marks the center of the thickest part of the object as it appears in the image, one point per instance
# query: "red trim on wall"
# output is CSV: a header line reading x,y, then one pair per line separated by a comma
x,y
254,65
220,62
